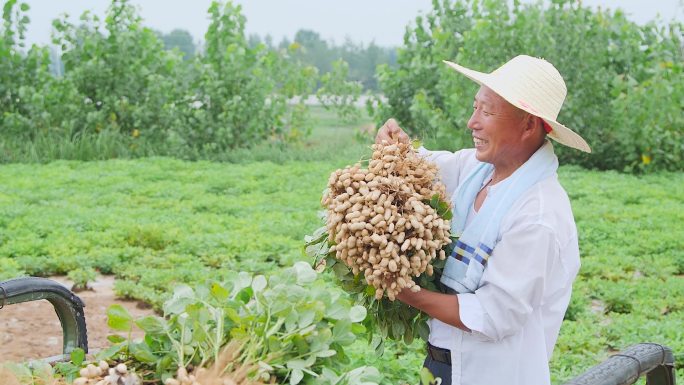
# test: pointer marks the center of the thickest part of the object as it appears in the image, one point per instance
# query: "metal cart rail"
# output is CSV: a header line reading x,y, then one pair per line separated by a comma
x,y
654,361
68,306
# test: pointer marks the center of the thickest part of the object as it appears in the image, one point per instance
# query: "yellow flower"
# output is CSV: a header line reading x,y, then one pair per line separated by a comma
x,y
645,159
135,133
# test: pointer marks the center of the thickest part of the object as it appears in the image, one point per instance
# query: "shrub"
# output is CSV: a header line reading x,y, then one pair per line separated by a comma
x,y
124,80
82,277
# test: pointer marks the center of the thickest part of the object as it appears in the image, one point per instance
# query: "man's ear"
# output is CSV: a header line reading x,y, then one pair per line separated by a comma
x,y
534,124
528,123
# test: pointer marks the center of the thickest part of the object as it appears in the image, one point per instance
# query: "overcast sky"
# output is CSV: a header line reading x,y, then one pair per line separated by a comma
x,y
363,21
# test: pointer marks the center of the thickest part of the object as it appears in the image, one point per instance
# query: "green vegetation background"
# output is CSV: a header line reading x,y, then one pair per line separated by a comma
x,y
122,94
154,222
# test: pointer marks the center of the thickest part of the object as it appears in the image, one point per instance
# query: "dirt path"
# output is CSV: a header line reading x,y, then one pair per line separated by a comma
x,y
31,330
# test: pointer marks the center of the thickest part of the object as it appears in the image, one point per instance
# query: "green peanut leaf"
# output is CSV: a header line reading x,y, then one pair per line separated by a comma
x,y
115,338
118,318
77,356
219,292
296,376
152,325
357,313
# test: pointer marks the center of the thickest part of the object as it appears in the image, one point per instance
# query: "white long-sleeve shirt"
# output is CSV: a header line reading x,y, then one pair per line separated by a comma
x,y
516,313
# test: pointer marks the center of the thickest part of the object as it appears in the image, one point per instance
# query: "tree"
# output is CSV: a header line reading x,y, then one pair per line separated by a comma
x,y
181,39
314,50
614,69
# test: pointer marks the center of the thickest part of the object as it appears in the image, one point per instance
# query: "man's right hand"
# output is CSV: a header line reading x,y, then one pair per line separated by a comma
x,y
392,133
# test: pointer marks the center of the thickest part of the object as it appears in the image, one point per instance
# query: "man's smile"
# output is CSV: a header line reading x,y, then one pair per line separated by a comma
x,y
479,142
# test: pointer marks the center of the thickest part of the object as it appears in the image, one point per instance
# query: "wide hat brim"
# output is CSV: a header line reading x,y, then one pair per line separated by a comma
x,y
559,132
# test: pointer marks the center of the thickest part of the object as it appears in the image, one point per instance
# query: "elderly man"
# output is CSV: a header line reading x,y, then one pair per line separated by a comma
x,y
510,276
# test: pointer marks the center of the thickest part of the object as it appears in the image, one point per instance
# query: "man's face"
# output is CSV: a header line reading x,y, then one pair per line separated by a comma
x,y
497,128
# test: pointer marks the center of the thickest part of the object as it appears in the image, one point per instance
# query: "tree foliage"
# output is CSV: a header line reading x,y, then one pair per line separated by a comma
x,y
122,83
362,60
22,74
625,83
181,39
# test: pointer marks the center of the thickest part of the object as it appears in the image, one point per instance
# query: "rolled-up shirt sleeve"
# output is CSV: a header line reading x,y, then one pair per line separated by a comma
x,y
513,282
471,312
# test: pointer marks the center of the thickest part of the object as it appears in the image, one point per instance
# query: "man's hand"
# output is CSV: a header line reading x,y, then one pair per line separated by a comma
x,y
392,133
444,307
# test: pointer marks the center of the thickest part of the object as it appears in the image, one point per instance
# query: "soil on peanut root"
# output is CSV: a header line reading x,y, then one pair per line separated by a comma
x,y
31,330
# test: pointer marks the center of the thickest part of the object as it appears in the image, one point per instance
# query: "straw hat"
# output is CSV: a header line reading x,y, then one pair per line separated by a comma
x,y
533,85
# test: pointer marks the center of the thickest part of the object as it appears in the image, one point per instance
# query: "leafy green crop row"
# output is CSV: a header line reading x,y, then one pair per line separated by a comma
x,y
631,283
170,214
158,222
291,323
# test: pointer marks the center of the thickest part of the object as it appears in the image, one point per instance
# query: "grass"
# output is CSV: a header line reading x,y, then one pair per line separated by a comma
x,y
49,146
157,221
330,139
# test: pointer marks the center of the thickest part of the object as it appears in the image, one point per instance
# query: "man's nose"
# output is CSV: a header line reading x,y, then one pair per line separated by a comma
x,y
473,123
